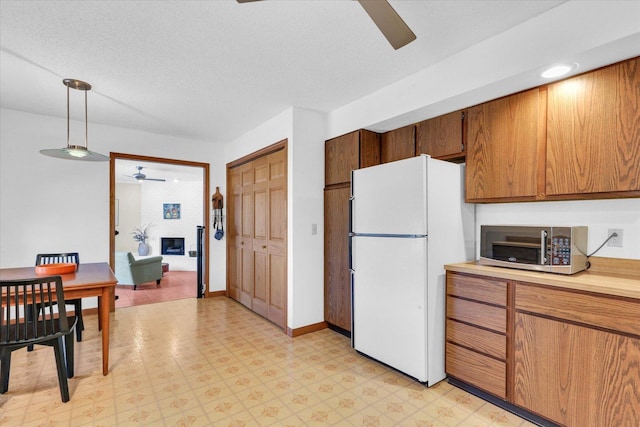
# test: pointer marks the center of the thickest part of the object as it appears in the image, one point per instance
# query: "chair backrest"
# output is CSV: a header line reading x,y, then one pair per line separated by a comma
x,y
18,297
68,257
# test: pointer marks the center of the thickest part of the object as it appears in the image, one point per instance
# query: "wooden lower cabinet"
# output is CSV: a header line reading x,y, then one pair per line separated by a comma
x,y
574,375
476,343
577,368
566,356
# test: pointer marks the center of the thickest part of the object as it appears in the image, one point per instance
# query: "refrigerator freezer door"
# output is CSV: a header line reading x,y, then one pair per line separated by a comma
x,y
391,198
390,302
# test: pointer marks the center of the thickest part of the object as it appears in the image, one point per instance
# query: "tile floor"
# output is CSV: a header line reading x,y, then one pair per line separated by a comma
x,y
212,362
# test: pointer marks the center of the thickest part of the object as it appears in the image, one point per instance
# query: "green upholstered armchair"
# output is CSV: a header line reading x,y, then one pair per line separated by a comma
x,y
131,271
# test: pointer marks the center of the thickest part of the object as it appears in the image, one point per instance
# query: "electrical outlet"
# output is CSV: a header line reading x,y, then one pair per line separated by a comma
x,y
616,241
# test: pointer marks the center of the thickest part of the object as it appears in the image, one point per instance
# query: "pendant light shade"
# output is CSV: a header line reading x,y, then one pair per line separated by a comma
x,y
76,152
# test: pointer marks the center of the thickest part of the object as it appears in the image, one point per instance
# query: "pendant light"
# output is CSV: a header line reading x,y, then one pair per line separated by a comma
x,y
76,152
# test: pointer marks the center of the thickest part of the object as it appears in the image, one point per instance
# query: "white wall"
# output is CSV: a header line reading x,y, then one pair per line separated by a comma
x,y
189,196
573,31
128,197
54,205
598,215
305,132
306,185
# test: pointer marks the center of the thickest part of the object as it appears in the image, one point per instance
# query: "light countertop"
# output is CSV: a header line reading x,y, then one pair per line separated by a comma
x,y
602,282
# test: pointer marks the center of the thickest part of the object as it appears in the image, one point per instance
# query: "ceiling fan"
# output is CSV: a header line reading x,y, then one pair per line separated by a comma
x,y
386,18
139,176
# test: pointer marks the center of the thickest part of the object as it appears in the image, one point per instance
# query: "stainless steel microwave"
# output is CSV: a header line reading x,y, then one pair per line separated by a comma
x,y
539,248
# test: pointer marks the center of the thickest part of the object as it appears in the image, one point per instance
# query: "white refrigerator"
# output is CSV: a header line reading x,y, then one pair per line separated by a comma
x,y
408,219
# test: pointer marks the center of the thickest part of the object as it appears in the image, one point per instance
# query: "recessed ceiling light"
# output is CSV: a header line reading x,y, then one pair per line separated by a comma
x,y
558,70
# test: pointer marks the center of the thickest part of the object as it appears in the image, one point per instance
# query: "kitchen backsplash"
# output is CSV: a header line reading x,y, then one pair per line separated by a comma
x,y
598,215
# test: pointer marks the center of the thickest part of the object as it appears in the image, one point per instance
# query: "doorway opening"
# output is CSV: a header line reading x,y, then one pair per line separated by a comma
x,y
156,171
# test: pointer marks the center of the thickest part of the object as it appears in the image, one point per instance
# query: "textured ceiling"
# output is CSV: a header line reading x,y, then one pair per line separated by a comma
x,y
213,70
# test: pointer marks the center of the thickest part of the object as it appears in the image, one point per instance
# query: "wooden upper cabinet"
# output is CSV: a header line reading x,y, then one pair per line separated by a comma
x,y
342,155
441,137
398,144
502,153
348,152
593,132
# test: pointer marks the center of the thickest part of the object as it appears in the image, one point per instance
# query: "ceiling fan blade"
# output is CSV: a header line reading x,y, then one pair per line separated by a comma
x,y
155,179
246,1
389,22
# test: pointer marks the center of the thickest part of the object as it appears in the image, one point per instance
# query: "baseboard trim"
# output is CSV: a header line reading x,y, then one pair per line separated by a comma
x,y
217,294
339,330
306,329
522,413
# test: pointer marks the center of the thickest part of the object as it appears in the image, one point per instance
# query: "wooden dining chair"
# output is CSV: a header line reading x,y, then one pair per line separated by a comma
x,y
71,258
17,297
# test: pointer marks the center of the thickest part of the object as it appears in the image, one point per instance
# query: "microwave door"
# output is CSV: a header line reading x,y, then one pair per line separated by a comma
x,y
516,246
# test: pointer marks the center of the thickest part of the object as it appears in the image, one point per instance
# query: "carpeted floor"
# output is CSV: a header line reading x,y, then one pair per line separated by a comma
x,y
174,285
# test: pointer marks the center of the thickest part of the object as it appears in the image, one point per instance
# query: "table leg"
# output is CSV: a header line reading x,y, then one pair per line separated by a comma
x,y
99,315
105,304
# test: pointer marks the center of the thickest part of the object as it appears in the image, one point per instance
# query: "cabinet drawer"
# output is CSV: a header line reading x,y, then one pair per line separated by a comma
x,y
481,340
478,370
485,289
615,314
483,315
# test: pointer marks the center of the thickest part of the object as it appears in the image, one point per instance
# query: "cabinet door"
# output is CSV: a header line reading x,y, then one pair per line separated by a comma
x,y
337,278
576,376
369,149
502,151
398,144
355,150
440,136
593,129
342,155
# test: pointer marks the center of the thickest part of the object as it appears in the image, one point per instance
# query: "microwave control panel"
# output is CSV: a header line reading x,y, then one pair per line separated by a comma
x,y
560,250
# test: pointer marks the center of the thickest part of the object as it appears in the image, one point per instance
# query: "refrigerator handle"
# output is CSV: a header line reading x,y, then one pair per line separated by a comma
x,y
352,279
350,234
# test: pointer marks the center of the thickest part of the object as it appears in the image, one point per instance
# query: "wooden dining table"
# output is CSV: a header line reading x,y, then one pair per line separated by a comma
x,y
89,280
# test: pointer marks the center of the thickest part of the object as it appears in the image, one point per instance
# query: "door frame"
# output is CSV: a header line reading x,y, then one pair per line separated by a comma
x,y
112,197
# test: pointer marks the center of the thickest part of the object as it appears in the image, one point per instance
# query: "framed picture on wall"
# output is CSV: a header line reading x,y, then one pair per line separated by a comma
x,y
171,210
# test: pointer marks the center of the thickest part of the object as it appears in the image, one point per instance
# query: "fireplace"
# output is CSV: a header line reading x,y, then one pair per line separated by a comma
x,y
172,245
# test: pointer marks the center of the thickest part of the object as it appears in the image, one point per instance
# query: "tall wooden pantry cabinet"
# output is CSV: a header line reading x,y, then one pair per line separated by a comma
x,y
343,154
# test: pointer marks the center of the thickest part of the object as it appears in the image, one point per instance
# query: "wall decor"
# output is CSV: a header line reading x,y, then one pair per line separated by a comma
x,y
171,210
